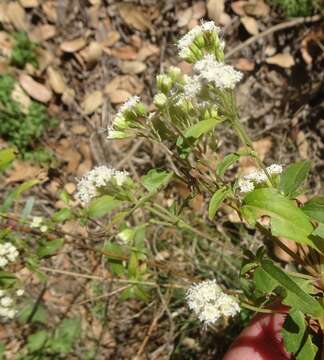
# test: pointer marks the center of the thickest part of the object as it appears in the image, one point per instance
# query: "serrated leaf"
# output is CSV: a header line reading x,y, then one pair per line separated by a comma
x,y
296,296
293,177
314,208
287,219
319,231
102,206
216,200
154,179
293,330
202,127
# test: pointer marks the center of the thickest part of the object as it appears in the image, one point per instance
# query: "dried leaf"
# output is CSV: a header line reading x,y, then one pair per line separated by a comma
x,y
284,60
43,32
119,96
45,58
146,51
132,67
238,7
29,3
199,10
3,13
184,17
23,171
21,97
55,80
72,46
257,8
250,25
92,53
131,84
123,53
92,102
66,150
5,44
135,16
34,89
215,8
302,144
111,38
244,64
68,96
49,9
17,15
79,129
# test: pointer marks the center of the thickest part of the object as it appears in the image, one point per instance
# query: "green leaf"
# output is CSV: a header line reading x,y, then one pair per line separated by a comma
x,y
36,312
230,159
50,247
202,127
102,206
15,194
263,282
154,179
319,231
286,218
216,201
299,298
7,279
37,341
115,262
293,330
65,336
7,156
308,351
62,215
293,177
314,208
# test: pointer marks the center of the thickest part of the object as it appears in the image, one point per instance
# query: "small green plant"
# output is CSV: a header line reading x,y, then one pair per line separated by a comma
x,y
20,128
294,8
23,50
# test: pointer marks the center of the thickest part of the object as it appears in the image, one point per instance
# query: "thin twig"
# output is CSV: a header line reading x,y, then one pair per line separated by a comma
x,y
281,26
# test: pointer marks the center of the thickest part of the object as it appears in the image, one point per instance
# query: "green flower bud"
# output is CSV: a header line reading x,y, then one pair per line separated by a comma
x,y
160,100
175,73
140,109
164,83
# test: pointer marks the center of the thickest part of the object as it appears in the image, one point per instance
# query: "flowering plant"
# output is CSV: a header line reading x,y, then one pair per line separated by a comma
x,y
188,110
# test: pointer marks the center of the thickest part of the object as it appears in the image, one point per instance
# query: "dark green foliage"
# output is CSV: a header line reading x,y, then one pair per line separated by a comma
x,y
293,8
23,51
19,128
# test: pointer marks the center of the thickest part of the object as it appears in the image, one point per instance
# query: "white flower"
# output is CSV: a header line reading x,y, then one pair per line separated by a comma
x,y
245,185
257,176
6,301
190,37
128,105
210,303
36,222
20,292
2,292
43,228
224,76
192,86
98,177
3,261
274,169
11,313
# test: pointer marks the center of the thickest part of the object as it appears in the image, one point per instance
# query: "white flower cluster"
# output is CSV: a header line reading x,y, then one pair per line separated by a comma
x,y
119,121
247,182
192,86
37,222
98,177
210,303
186,41
8,253
224,76
6,304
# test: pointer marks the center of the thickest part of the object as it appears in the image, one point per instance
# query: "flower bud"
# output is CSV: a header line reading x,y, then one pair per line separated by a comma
x,y
164,83
160,100
175,73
